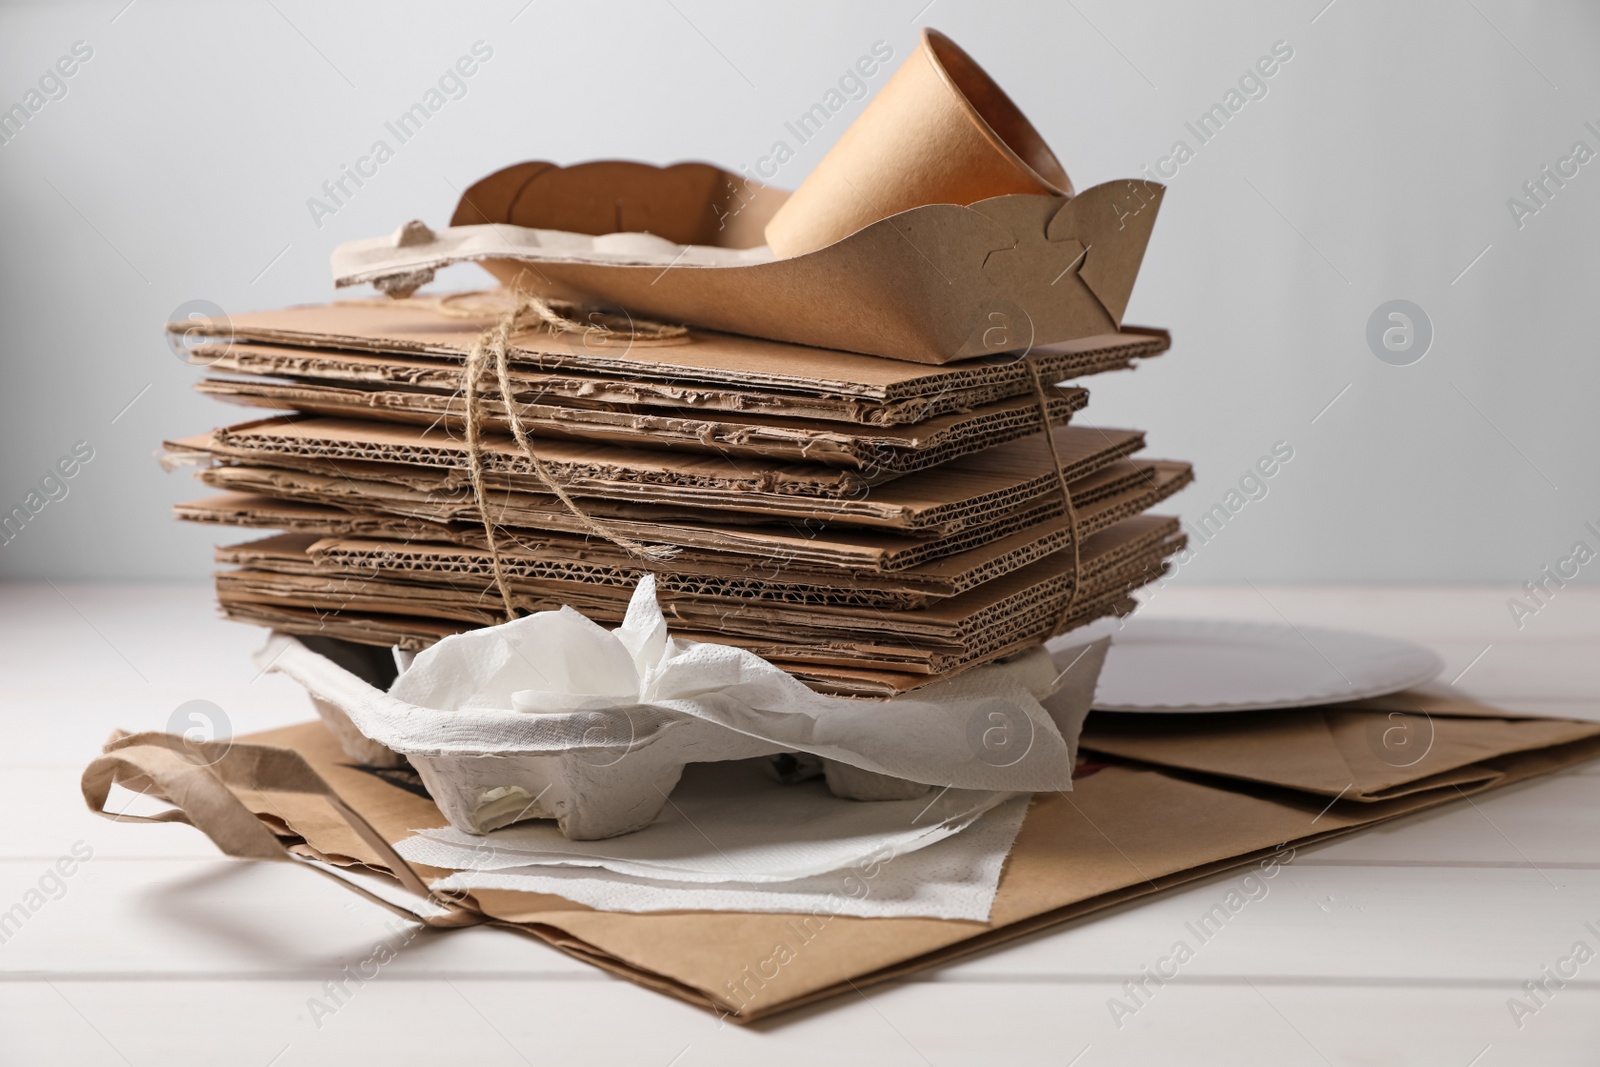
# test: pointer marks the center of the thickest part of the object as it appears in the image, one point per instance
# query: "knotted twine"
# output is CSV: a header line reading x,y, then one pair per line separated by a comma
x,y
493,346
1066,497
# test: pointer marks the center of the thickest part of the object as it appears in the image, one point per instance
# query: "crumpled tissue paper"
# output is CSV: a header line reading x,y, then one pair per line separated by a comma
x,y
554,716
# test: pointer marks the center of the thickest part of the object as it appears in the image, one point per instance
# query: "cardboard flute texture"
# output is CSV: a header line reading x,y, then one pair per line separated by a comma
x,y
311,616
1168,827
901,487
703,574
892,449
881,652
1105,496
739,574
460,586
418,341
581,465
711,578
559,378
957,496
829,580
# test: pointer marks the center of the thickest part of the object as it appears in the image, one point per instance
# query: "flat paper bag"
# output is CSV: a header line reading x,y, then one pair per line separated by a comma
x,y
1126,830
1371,750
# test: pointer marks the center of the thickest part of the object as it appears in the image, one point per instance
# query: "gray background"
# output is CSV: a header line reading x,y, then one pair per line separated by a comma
x,y
1378,167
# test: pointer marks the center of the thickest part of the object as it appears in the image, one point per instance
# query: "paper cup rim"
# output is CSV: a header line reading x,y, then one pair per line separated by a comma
x,y
935,42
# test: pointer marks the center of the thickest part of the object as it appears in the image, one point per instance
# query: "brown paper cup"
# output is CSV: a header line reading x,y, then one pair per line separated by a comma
x,y
939,132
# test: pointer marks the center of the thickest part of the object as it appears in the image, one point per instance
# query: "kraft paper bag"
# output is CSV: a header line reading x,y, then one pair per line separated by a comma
x,y
1365,751
1128,829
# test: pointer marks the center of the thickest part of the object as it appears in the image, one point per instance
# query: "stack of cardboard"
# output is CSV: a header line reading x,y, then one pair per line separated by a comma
x,y
868,524
884,491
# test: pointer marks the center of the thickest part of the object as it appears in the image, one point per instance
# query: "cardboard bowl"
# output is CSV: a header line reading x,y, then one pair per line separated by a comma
x,y
940,131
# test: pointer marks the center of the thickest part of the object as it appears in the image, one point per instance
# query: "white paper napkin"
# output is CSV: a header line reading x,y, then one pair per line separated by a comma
x,y
724,823
953,878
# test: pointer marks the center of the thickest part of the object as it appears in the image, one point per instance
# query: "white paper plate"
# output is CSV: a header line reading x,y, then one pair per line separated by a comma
x,y
1199,665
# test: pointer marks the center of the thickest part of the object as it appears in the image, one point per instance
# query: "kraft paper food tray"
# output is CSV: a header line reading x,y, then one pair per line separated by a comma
x,y
413,341
1129,829
963,493
933,284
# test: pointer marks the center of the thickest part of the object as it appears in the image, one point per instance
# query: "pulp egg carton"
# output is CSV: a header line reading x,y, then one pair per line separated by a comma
x,y
605,766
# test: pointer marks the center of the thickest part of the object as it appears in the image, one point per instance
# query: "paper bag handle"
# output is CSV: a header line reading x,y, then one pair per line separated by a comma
x,y
201,792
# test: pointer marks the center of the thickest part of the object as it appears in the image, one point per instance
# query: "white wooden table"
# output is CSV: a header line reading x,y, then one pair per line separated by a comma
x,y
1400,945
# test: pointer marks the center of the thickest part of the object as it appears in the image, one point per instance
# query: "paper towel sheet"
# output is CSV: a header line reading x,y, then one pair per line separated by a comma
x,y
955,878
725,822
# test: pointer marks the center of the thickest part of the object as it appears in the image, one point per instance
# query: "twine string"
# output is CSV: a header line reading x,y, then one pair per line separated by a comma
x,y
1066,497
493,346
475,470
